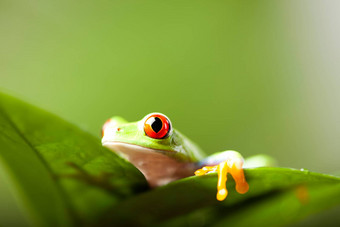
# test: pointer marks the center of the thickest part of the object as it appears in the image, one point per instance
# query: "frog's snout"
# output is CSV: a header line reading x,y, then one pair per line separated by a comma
x,y
109,131
105,125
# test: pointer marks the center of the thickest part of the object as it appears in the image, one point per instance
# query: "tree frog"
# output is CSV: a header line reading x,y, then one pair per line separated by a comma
x,y
163,154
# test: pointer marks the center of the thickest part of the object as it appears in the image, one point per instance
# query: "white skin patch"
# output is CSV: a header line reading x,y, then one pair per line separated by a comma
x,y
157,168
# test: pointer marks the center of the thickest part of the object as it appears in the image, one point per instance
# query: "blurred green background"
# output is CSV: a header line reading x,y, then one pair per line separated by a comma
x,y
254,76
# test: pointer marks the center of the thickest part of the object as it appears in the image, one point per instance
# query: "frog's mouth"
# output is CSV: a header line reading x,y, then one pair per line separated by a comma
x,y
158,168
128,150
131,152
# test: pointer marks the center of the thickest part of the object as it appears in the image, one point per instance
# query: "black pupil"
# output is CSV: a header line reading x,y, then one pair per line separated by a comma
x,y
157,124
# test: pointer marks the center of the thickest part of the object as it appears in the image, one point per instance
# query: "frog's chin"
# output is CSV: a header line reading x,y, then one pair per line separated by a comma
x,y
158,168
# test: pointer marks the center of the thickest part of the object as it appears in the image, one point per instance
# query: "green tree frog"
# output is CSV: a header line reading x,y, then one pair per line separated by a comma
x,y
163,154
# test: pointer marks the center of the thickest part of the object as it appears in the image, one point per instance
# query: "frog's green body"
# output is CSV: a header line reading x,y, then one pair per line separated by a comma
x,y
162,153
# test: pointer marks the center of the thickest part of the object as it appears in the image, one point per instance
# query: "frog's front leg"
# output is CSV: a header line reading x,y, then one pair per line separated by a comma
x,y
224,163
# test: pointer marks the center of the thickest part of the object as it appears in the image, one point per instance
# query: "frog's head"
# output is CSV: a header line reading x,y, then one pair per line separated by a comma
x,y
154,133
160,152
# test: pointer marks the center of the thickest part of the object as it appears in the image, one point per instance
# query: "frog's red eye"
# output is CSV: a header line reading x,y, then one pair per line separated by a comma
x,y
157,126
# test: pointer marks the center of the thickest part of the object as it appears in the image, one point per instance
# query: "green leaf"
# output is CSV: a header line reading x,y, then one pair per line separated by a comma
x,y
54,174
196,195
283,207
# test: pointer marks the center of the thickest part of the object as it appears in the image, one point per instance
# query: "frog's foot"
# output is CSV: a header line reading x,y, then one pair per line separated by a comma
x,y
232,166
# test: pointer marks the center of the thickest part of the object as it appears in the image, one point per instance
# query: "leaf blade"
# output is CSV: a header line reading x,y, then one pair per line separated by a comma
x,y
187,195
85,177
16,160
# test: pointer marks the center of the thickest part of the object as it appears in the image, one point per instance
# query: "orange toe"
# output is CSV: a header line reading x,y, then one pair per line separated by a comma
x,y
232,166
